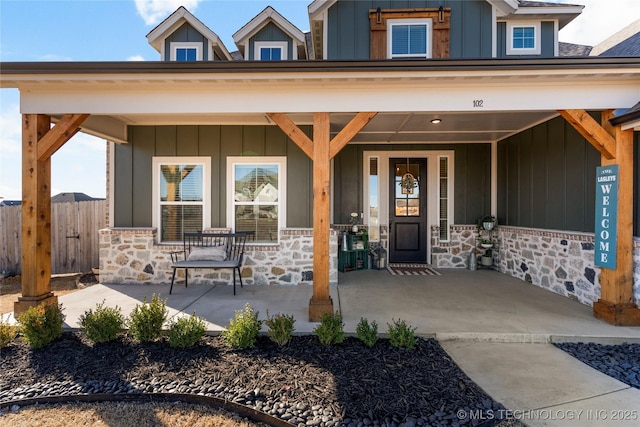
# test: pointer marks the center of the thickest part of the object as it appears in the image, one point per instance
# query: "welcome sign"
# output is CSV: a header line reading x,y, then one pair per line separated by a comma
x,y
606,216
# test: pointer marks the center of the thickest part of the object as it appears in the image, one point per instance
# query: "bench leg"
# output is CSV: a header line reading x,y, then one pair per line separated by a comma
x,y
173,277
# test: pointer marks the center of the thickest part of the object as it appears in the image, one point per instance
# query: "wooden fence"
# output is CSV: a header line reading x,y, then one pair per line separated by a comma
x,y
75,245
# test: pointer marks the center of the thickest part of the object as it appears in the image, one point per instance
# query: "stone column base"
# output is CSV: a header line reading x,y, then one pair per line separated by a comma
x,y
318,307
617,314
25,303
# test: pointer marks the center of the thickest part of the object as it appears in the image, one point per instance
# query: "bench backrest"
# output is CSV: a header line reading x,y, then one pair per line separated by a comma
x,y
232,243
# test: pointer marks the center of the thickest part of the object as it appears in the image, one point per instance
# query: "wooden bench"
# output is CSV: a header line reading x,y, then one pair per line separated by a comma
x,y
210,250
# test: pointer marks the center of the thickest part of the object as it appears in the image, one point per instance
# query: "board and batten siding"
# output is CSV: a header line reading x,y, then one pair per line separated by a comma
x,y
133,167
271,33
546,178
348,27
472,179
186,33
547,40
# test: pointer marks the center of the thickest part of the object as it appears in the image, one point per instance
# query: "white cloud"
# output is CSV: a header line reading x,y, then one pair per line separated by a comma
x,y
599,20
135,58
154,11
52,57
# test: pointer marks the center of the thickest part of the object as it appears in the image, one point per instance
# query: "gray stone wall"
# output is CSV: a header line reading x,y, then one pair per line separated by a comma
x,y
561,262
131,255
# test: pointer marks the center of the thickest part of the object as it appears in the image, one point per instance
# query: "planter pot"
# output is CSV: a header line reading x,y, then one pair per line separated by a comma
x,y
487,225
354,229
486,260
486,245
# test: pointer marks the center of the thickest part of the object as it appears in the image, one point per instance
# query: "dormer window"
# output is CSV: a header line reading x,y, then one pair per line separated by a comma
x,y
409,38
270,51
185,51
523,38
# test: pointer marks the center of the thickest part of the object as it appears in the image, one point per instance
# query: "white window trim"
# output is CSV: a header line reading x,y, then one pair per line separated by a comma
x,y
174,46
281,45
423,21
524,51
281,162
433,192
155,192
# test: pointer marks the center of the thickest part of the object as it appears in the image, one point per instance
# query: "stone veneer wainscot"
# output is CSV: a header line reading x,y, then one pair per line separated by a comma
x,y
559,261
131,255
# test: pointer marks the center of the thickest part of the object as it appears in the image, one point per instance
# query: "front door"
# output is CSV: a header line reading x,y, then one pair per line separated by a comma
x,y
408,210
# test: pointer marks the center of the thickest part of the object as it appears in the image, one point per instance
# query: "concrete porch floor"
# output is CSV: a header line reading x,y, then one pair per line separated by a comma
x,y
498,329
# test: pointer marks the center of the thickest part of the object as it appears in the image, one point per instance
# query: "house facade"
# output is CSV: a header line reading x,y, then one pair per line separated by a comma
x,y
470,99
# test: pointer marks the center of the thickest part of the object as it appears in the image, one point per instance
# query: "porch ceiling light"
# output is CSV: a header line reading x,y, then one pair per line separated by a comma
x,y
436,121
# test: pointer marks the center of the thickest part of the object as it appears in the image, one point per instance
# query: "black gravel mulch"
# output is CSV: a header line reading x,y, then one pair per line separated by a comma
x,y
304,383
620,361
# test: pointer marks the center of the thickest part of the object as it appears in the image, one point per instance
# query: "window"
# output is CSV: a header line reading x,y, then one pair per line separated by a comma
x,y
409,38
270,51
185,51
523,38
181,198
374,205
443,197
256,194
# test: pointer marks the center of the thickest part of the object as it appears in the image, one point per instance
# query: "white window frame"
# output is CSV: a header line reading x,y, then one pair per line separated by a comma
x,y
511,25
157,162
174,46
423,21
281,162
272,44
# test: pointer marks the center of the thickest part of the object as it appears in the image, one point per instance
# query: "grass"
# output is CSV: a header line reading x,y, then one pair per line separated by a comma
x,y
122,414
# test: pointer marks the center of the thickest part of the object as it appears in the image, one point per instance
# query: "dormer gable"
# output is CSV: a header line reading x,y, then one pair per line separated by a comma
x,y
183,37
270,36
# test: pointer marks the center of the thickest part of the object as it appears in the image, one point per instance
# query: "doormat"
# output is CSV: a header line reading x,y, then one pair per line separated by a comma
x,y
412,269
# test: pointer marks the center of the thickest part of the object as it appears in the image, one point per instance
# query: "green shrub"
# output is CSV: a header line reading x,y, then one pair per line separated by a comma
x,y
243,329
331,329
402,335
367,332
7,332
146,320
186,331
104,324
42,324
280,328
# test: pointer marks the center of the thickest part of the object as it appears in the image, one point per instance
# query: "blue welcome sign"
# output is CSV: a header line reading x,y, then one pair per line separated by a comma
x,y
606,233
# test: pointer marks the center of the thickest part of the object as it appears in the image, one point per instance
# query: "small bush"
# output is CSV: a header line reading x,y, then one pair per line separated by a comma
x,y
146,320
186,331
331,329
7,332
280,328
402,335
367,332
42,324
104,324
243,329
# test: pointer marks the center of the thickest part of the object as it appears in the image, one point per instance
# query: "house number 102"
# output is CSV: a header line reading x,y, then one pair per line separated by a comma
x,y
478,103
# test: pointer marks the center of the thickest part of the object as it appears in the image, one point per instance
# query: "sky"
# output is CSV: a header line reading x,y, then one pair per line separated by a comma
x,y
115,30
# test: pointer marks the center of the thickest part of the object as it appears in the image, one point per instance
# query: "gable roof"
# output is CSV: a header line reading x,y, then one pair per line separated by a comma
x,y
571,49
525,9
268,14
158,35
625,42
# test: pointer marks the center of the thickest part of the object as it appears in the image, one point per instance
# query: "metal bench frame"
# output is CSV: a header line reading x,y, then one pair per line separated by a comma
x,y
232,243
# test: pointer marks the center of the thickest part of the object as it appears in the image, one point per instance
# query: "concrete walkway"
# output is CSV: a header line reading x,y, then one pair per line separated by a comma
x,y
498,329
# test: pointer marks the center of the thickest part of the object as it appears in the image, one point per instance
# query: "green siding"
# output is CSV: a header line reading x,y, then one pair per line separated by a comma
x,y
547,178
270,33
348,27
133,165
186,33
547,48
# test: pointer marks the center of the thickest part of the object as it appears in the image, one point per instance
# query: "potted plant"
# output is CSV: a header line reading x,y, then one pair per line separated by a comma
x,y
487,222
487,258
486,243
354,220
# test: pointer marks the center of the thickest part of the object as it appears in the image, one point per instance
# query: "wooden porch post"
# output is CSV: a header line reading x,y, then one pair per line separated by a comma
x,y
616,304
321,150
39,142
